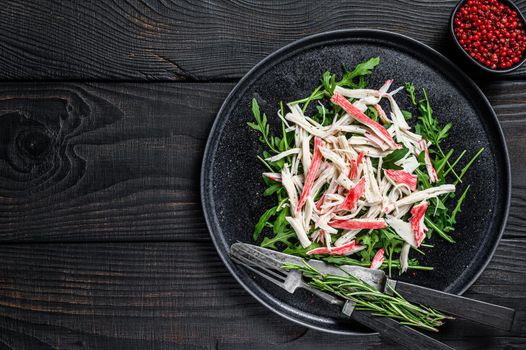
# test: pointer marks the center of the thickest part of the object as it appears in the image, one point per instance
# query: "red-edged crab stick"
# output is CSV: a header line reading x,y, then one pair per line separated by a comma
x,y
378,259
313,172
359,224
417,221
353,196
346,249
378,129
402,177
429,166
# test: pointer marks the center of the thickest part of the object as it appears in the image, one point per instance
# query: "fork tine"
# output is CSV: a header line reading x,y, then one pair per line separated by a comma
x,y
256,258
275,273
279,281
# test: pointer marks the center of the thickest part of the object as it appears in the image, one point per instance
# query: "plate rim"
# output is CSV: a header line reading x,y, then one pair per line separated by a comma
x,y
321,39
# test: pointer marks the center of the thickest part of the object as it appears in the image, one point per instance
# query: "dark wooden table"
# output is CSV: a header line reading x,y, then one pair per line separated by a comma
x,y
105,110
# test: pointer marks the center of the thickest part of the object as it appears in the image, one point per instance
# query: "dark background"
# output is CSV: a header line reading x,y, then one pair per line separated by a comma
x,y
105,108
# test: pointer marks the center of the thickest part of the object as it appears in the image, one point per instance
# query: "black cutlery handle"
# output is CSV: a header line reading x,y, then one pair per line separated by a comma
x,y
399,333
485,313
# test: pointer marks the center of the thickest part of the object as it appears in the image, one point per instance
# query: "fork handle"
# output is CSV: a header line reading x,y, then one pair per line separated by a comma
x,y
478,311
399,333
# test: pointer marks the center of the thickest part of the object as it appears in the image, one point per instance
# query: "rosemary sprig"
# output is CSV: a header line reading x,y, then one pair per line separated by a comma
x,y
366,297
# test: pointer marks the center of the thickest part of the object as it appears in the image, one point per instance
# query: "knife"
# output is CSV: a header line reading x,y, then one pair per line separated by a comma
x,y
462,307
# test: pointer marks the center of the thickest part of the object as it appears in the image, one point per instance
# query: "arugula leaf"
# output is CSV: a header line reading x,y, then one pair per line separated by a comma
x,y
452,219
282,237
343,260
410,89
465,168
262,126
281,222
272,189
393,157
362,69
298,250
437,229
369,240
372,113
328,81
263,220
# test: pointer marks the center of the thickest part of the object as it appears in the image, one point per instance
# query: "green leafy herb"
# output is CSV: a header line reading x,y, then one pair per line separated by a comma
x,y
366,297
272,189
263,220
407,115
393,157
262,126
452,218
282,237
361,70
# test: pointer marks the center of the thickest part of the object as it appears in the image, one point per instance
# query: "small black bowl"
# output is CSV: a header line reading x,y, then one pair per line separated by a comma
x,y
473,61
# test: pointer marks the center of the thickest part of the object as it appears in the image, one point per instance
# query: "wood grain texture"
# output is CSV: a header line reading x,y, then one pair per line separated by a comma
x,y
120,161
162,295
110,162
85,162
192,40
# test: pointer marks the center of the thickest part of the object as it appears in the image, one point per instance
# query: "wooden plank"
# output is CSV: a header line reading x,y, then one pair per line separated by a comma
x,y
162,295
509,104
105,162
121,161
195,40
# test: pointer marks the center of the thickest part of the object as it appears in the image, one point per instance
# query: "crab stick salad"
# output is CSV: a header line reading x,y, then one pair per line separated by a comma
x,y
358,180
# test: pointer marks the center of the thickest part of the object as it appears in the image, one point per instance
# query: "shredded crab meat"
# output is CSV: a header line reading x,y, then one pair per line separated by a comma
x,y
402,177
419,196
353,128
345,150
372,152
403,229
409,164
298,227
338,161
309,209
372,191
306,155
288,183
429,165
283,154
323,223
378,259
382,115
273,176
337,181
346,237
353,196
377,128
344,181
404,257
312,173
417,222
346,249
361,224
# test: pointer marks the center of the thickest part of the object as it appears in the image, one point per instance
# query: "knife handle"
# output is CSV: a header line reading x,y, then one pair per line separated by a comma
x,y
478,311
399,333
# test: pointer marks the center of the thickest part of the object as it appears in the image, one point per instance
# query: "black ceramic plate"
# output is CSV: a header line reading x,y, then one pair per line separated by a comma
x,y
231,184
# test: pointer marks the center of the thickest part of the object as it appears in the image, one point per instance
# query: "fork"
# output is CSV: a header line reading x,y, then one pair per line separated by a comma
x,y
386,327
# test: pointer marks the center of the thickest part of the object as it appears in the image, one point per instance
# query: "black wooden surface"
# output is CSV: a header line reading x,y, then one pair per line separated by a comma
x,y
103,241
